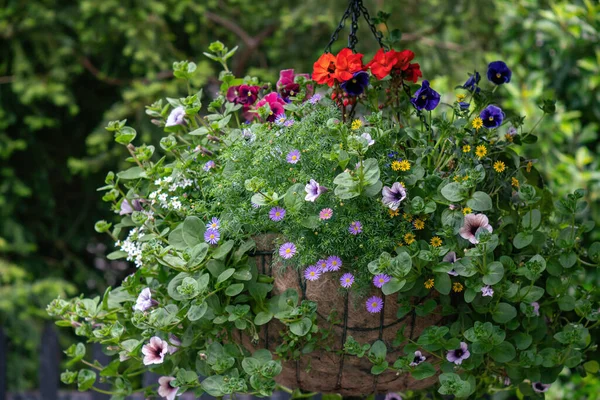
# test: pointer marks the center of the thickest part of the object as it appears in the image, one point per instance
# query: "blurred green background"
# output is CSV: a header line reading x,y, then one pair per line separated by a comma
x,y
69,67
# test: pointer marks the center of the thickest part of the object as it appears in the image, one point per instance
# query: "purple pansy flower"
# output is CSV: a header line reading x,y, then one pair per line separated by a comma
x,y
450,257
312,273
287,250
540,387
347,280
165,390
380,280
425,98
355,228
293,156
487,291
356,85
215,223
464,105
418,359
459,355
472,223
212,236
374,304
498,72
492,116
154,352
242,94
209,164
287,86
176,117
277,214
392,197
334,263
471,83
313,190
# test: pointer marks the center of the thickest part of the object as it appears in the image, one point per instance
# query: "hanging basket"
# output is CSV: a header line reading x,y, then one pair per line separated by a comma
x,y
333,371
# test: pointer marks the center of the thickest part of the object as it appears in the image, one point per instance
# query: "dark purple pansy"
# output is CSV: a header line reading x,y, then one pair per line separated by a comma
x,y
425,98
357,84
498,72
471,83
492,116
242,94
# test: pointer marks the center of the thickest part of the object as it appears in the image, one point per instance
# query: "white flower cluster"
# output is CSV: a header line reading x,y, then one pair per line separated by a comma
x,y
132,247
169,185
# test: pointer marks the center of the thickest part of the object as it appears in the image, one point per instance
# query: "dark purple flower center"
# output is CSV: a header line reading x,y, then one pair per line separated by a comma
x,y
458,353
417,359
539,386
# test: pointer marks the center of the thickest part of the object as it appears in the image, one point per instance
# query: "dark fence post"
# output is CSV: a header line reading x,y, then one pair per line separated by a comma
x,y
3,364
104,360
49,363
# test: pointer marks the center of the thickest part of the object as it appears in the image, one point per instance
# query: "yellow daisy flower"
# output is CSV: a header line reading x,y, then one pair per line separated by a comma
x,y
466,148
457,178
499,166
467,210
356,124
393,213
403,165
396,165
457,287
436,241
481,151
466,178
407,217
477,123
429,283
529,165
419,224
508,137
514,182
409,238
460,97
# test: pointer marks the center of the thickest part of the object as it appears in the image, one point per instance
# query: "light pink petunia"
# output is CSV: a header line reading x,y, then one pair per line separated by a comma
x,y
165,390
472,223
154,352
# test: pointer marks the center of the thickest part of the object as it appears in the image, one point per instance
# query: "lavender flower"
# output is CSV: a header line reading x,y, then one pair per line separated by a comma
x,y
536,308
347,280
472,223
312,273
289,122
419,358
374,304
212,236
459,355
176,117
368,138
313,190
380,280
487,291
355,228
540,387
165,390
315,98
174,343
392,197
277,214
322,264
280,119
287,250
154,352
450,257
215,223
144,301
129,207
209,164
334,263
326,213
293,157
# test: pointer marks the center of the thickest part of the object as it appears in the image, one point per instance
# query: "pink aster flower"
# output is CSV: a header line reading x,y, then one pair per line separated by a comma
x,y
325,213
419,358
293,156
347,280
374,304
154,352
355,228
380,280
313,190
334,263
312,273
459,355
144,300
487,291
165,390
322,264
540,387
472,223
176,117
277,214
287,250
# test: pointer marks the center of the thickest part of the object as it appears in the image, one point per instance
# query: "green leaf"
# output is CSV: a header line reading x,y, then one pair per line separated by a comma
x,y
234,290
224,249
214,385
454,192
532,219
262,318
174,284
176,238
85,379
198,254
193,231
594,252
197,311
378,352
503,353
294,197
132,173
591,367
422,371
504,312
393,286
566,303
251,365
523,340
522,240
442,283
225,275
480,201
302,327
531,294
380,368
371,171
567,260
494,273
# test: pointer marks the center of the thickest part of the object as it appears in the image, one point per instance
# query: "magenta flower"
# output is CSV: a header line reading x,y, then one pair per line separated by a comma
x,y
209,165
487,291
347,280
277,214
459,355
287,86
326,213
323,265
293,157
312,273
419,358
242,94
355,228
380,280
287,250
144,301
450,257
334,263
313,190
176,117
154,352
536,308
275,103
540,387
374,304
392,197
215,223
165,390
472,223
212,236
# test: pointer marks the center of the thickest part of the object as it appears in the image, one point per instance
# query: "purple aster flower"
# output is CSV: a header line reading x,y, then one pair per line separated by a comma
x,y
536,308
370,141
144,300
471,83
459,355
154,352
312,273
419,358
487,291
280,119
380,280
356,85
212,236
326,213
512,131
277,214
313,190
425,98
498,72
355,228
392,197
472,223
209,164
176,117
293,156
492,117
215,223
374,304
289,122
287,250
254,205
315,98
540,387
323,265
334,263
165,390
347,280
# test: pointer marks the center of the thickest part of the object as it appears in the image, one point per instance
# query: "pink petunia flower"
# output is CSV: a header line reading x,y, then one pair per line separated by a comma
x,y
154,352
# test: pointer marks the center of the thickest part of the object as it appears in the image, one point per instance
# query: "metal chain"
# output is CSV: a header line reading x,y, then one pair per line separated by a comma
x,y
378,35
335,34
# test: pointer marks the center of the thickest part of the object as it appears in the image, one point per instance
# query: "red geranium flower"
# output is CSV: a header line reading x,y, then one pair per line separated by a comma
x,y
382,63
403,59
412,73
346,64
324,69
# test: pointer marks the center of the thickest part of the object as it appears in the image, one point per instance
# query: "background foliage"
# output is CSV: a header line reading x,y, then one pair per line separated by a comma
x,y
66,68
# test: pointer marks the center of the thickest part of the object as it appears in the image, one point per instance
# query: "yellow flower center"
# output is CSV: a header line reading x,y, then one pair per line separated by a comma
x,y
288,251
373,304
498,75
353,80
491,118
